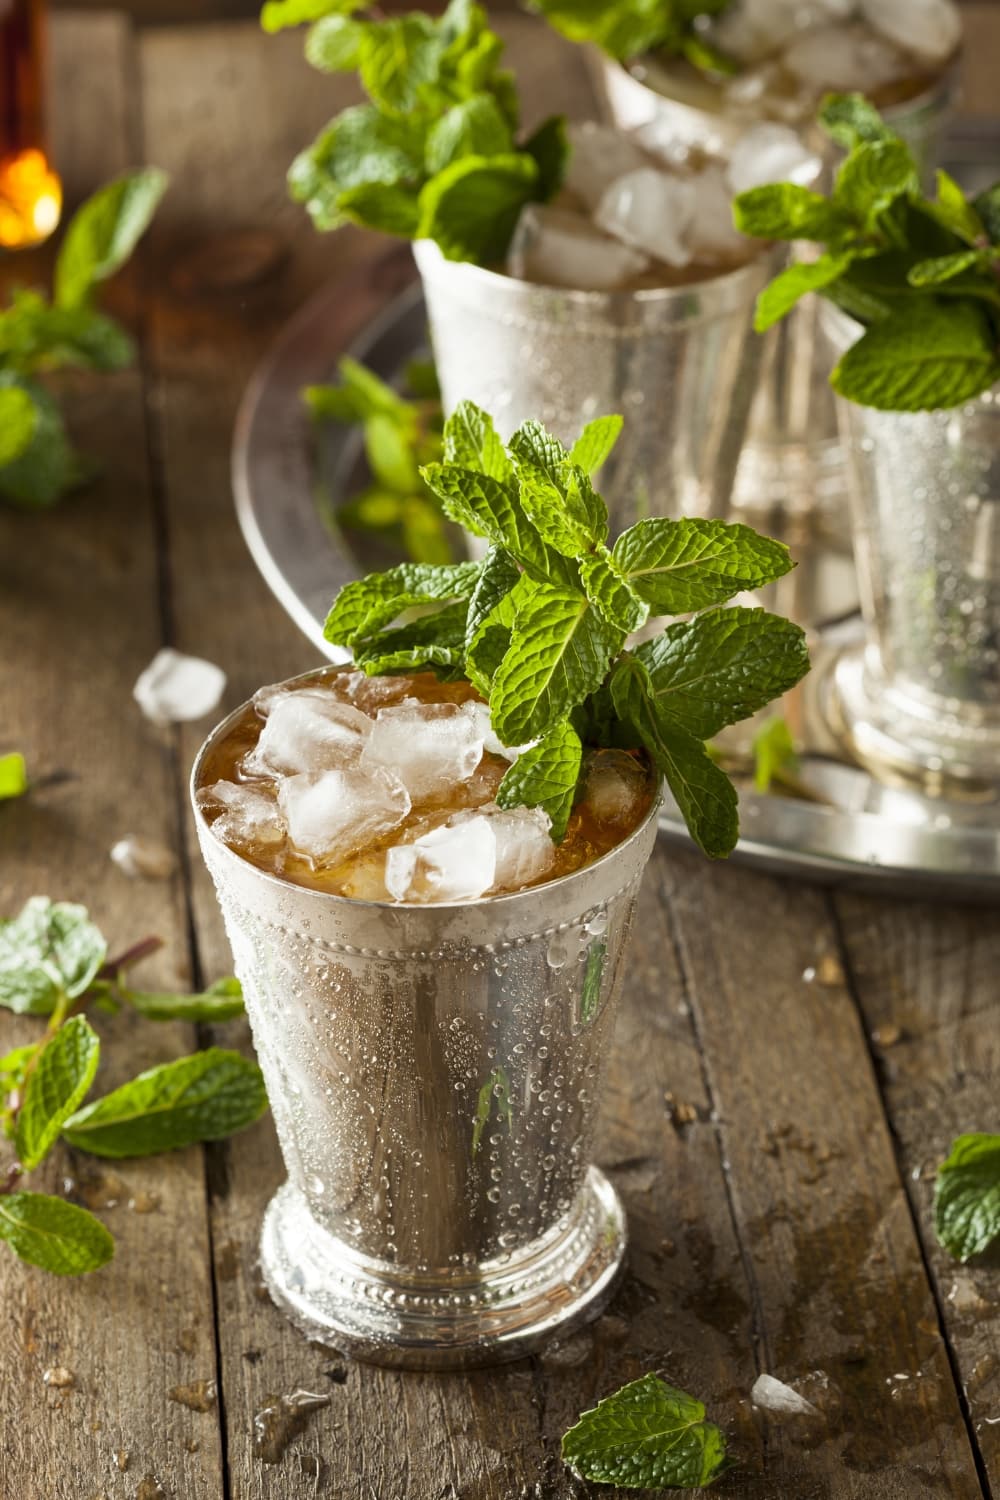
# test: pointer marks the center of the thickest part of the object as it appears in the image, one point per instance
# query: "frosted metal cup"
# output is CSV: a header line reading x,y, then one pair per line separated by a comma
x,y
677,362
792,461
923,694
434,1074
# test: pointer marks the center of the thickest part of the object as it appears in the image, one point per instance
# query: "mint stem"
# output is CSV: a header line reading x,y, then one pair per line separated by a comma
x,y
133,955
14,1174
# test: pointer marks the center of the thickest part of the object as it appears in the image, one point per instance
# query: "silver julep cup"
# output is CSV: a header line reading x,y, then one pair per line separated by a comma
x,y
677,362
792,462
434,1073
923,694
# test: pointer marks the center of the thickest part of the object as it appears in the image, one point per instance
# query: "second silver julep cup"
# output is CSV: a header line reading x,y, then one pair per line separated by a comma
x,y
679,363
434,1074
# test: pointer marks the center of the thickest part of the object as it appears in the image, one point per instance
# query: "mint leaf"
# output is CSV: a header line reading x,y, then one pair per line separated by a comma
x,y
18,419
944,267
792,284
35,336
475,127
593,447
200,1098
987,206
954,211
546,776
705,795
489,507
850,120
490,623
45,469
398,56
49,951
54,1234
549,147
444,630
563,525
60,1081
222,1001
103,233
367,604
334,44
497,579
14,1066
967,1196
680,566
471,442
13,775
279,14
560,650
773,753
360,147
871,178
623,30
788,211
470,209
931,357
722,666
535,447
377,205
609,593
648,1435
390,454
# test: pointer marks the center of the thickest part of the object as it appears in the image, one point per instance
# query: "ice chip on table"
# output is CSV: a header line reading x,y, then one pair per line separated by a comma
x,y
844,57
251,817
712,235
771,153
928,29
334,814
456,862
650,211
175,688
525,850
598,156
307,731
142,859
429,746
614,787
774,1395
553,247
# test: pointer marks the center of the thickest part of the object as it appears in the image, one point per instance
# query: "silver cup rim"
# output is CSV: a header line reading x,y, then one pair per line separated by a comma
x,y
512,898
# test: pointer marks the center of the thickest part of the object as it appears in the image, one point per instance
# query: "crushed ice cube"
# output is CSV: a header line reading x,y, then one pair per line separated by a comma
x,y
553,247
429,746
844,57
175,688
929,29
774,1395
771,153
658,137
598,156
333,814
251,817
525,850
615,786
456,862
479,714
751,30
650,211
712,235
307,731
142,859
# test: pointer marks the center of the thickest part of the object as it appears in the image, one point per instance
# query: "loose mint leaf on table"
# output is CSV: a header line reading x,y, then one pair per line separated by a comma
x,y
104,232
222,1001
470,209
14,1066
53,1234
681,566
279,14
648,1435
36,336
934,355
18,420
545,776
49,952
57,1086
47,467
199,1098
967,1196
471,442
593,447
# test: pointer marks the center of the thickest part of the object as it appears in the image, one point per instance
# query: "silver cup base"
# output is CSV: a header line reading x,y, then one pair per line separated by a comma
x,y
498,1310
890,730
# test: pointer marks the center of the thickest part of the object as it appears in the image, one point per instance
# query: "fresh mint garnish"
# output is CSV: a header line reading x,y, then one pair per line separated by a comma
x,y
774,755
646,1436
13,771
37,462
628,28
435,153
53,962
967,1196
539,626
921,275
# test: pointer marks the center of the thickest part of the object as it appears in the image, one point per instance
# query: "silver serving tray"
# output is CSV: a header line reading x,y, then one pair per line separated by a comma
x,y
291,478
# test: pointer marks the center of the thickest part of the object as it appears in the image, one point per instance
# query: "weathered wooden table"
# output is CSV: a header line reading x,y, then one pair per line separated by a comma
x,y
790,1065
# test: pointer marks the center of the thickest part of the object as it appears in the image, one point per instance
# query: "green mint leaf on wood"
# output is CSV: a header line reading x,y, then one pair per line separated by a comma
x,y
967,1196
936,355
277,15
18,420
200,1098
686,565
56,1088
53,1234
13,775
35,336
104,232
648,1435
46,467
471,207
49,952
14,1066
546,776
222,1001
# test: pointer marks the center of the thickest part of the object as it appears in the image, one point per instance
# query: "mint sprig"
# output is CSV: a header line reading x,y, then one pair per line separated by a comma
x,y
540,625
53,962
649,1436
435,153
37,462
628,28
967,1196
921,275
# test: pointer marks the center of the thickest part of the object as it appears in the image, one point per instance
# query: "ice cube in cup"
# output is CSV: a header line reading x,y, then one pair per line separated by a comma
x,y
251,820
307,731
553,247
598,156
711,234
928,29
771,153
650,211
844,57
454,862
334,814
614,787
429,746
524,847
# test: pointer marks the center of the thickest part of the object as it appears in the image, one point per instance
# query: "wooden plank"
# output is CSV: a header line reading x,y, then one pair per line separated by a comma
x,y
925,979
80,618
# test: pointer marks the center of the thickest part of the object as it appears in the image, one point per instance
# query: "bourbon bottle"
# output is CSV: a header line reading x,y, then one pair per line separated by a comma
x,y
30,191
